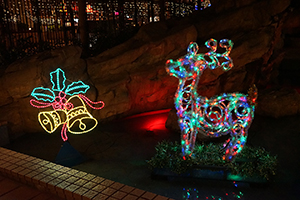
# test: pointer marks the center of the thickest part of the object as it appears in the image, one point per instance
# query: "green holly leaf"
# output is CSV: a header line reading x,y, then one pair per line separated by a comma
x,y
43,94
76,88
58,79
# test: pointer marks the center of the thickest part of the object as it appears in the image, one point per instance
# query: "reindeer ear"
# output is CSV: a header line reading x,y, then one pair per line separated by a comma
x,y
193,48
169,62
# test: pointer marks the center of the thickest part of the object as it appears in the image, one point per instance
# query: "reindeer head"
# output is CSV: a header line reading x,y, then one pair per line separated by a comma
x,y
192,64
188,66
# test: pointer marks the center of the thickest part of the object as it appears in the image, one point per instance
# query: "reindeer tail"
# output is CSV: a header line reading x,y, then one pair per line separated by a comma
x,y
252,95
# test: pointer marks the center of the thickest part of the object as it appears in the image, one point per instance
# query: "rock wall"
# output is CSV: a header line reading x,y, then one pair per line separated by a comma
x,y
131,78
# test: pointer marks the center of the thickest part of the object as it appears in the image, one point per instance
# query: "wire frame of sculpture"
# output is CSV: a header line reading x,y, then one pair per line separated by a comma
x,y
220,115
71,113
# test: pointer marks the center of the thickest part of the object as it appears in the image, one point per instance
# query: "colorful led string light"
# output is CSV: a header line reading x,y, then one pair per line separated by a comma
x,y
76,120
205,4
193,194
190,194
220,115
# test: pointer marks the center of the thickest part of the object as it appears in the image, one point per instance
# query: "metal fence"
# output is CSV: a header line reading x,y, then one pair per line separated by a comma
x,y
29,26
33,25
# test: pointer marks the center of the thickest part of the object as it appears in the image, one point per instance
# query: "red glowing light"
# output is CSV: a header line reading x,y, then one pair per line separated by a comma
x,y
156,112
150,121
157,123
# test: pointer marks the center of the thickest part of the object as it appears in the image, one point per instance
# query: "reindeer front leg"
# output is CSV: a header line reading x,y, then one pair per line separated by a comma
x,y
188,135
185,112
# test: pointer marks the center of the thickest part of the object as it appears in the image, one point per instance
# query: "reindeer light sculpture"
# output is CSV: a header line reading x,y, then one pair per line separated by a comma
x,y
220,115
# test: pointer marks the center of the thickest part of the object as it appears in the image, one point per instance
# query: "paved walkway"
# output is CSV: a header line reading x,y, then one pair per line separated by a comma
x,y
13,190
39,179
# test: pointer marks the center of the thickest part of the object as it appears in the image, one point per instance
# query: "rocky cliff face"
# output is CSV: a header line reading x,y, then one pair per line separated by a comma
x,y
131,78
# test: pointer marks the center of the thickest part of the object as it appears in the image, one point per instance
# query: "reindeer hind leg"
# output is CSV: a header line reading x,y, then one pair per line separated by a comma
x,y
236,142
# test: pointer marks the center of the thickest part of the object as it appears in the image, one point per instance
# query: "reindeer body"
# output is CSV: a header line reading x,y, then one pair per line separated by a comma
x,y
221,115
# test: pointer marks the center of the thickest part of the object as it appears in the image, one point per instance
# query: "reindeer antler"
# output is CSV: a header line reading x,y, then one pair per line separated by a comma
x,y
214,56
192,64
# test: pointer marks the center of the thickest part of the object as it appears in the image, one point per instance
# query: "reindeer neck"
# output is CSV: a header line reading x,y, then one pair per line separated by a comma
x,y
185,95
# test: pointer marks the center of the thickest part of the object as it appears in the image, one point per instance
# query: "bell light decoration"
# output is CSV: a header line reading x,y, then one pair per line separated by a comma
x,y
69,106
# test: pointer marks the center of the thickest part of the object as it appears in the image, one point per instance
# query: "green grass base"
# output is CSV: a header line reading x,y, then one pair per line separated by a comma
x,y
251,163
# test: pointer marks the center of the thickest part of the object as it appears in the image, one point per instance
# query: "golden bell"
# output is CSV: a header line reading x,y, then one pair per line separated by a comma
x,y
79,119
50,120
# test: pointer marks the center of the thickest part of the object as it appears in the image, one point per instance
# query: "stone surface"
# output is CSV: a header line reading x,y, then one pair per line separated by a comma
x,y
292,23
278,103
131,78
